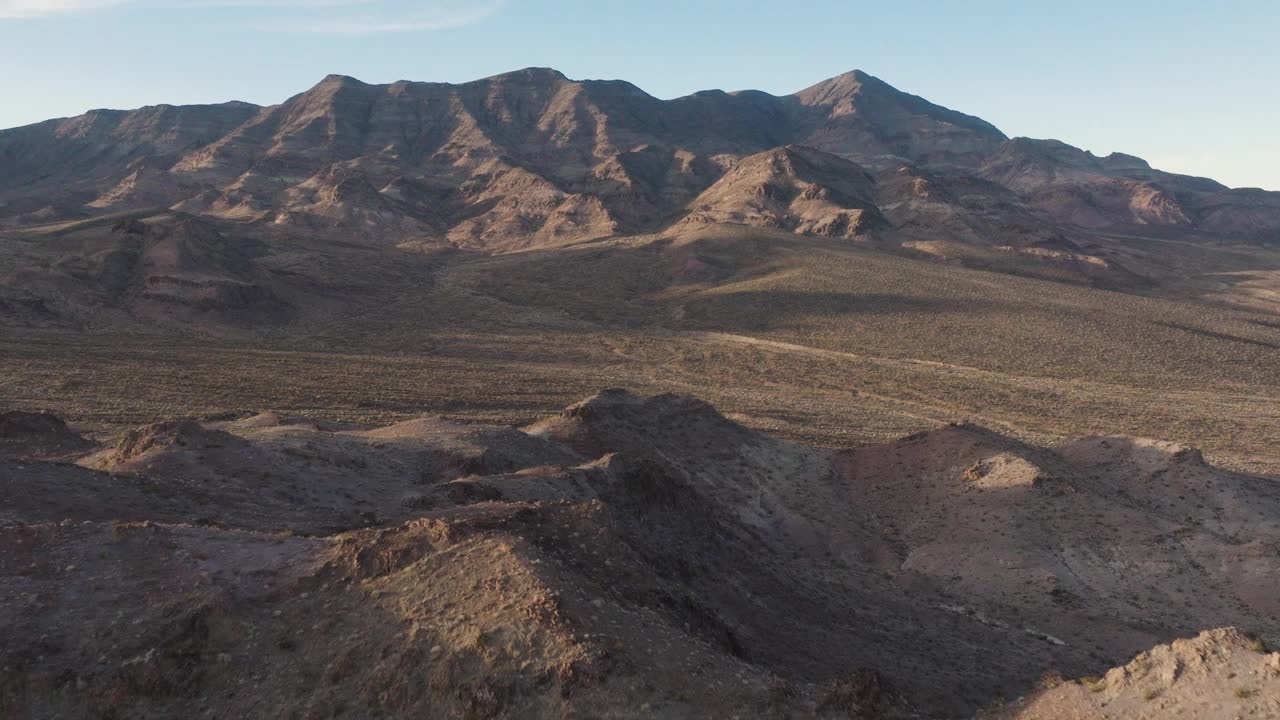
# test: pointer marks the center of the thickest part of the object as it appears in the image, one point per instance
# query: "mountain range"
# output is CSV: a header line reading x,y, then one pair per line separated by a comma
x,y
214,216
532,158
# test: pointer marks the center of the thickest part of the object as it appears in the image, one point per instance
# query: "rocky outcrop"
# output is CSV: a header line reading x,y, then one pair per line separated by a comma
x,y
1219,674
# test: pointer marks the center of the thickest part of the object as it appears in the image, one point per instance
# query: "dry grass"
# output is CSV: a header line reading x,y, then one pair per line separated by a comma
x,y
861,346
107,383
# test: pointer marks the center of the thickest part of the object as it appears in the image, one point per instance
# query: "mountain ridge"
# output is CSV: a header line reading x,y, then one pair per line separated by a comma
x,y
241,162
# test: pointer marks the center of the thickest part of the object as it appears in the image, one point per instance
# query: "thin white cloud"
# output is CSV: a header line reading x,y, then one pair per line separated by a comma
x,y
362,17
267,4
434,17
40,8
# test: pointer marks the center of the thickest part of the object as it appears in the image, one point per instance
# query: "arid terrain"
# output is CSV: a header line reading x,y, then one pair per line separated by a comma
x,y
629,556
303,412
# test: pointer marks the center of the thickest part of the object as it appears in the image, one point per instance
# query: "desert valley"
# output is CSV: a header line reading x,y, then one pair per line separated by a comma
x,y
540,397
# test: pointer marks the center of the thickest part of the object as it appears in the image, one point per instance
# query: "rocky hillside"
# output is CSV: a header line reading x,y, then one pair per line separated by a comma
x,y
793,188
632,556
1219,674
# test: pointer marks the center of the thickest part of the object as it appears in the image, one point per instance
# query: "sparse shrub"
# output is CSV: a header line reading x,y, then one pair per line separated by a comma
x,y
1150,694
1244,693
285,641
1050,680
1094,683
479,701
995,703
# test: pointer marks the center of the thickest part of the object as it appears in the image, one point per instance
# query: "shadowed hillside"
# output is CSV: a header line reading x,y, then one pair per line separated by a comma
x,y
641,555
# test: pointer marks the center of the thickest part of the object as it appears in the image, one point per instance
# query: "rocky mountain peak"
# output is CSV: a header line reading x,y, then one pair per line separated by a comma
x,y
578,142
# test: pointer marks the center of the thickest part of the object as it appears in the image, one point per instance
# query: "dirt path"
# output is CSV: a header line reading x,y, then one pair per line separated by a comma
x,y
928,412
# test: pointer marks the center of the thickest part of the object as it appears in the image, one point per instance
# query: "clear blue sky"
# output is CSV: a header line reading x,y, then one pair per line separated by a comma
x,y
1192,86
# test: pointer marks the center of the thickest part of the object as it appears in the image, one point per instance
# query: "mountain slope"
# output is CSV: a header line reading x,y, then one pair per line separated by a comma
x,y
792,188
860,116
57,169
